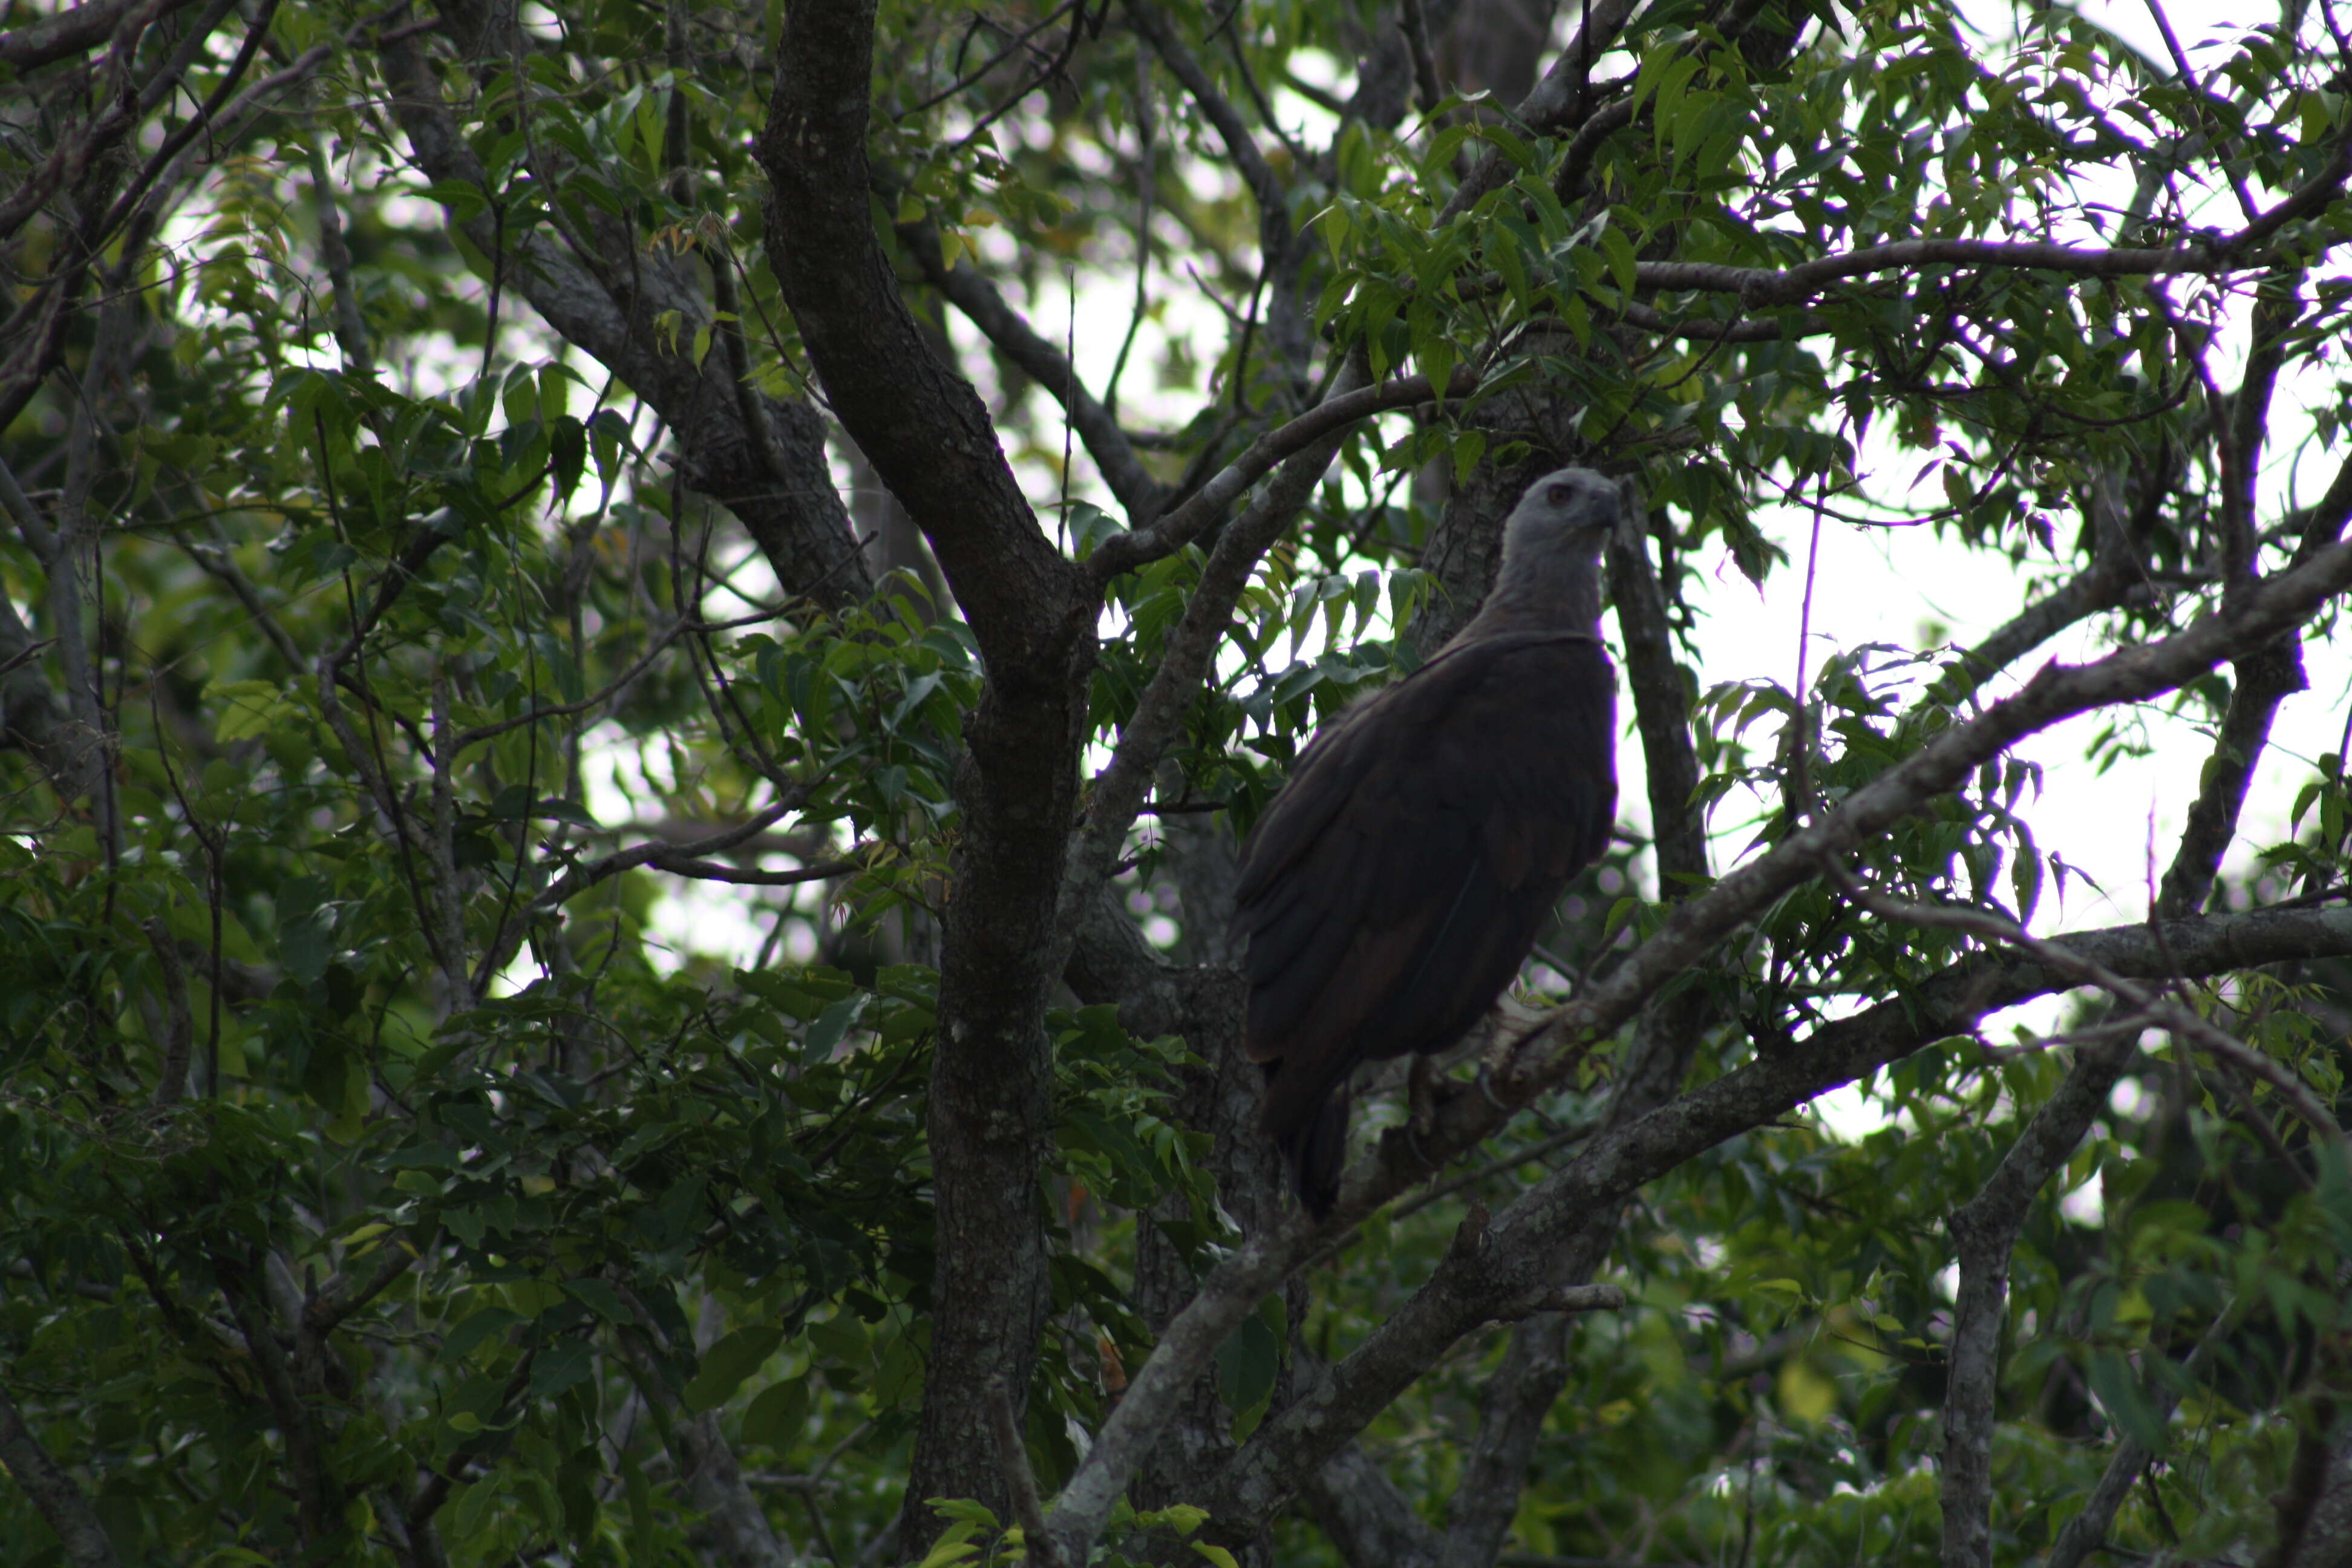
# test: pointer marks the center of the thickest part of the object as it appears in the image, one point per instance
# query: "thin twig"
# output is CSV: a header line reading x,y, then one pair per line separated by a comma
x,y
971,78
2167,1013
180,1026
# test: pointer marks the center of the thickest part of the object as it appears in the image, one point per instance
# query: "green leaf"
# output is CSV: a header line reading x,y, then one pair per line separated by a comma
x,y
478,1328
777,1413
567,447
2125,1400
1248,1361
727,1363
1620,251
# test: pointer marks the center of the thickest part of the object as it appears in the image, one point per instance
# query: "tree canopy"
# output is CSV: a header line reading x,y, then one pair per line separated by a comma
x,y
503,500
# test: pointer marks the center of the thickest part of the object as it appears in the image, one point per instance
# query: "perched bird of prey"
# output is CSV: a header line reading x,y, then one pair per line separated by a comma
x,y
1390,891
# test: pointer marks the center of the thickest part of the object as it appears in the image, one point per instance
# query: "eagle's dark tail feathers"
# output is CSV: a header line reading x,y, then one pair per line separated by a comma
x,y
1316,1150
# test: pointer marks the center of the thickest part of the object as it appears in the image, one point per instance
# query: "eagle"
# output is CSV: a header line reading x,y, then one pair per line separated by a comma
x,y
1390,892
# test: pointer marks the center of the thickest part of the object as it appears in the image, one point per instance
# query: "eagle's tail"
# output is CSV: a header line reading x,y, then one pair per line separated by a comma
x,y
1313,1146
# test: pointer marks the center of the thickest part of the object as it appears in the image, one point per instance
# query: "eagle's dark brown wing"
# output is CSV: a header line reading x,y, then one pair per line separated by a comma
x,y
1391,893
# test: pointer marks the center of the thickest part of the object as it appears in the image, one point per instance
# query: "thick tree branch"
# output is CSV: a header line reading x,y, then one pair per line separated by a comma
x,y
1512,1408
1266,187
1661,706
70,32
2241,425
1032,612
2085,595
54,1494
920,424
1365,1515
2266,676
796,516
1985,1228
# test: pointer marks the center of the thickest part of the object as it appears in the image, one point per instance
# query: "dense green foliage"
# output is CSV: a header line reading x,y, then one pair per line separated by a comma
x,y
387,1174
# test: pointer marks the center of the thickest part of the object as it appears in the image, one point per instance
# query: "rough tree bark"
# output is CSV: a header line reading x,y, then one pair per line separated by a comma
x,y
929,436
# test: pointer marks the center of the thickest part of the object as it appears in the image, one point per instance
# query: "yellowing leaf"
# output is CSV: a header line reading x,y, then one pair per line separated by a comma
x,y
1805,1394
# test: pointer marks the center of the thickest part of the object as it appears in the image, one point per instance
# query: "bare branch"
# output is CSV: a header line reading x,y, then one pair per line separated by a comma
x,y
173,1080
963,287
796,519
221,128
744,876
656,852
1761,287
2162,1011
1203,507
1192,644
1413,18
1273,199
1028,1511
75,152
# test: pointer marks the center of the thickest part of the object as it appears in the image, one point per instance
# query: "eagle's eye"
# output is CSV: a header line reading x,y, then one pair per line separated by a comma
x,y
1556,495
